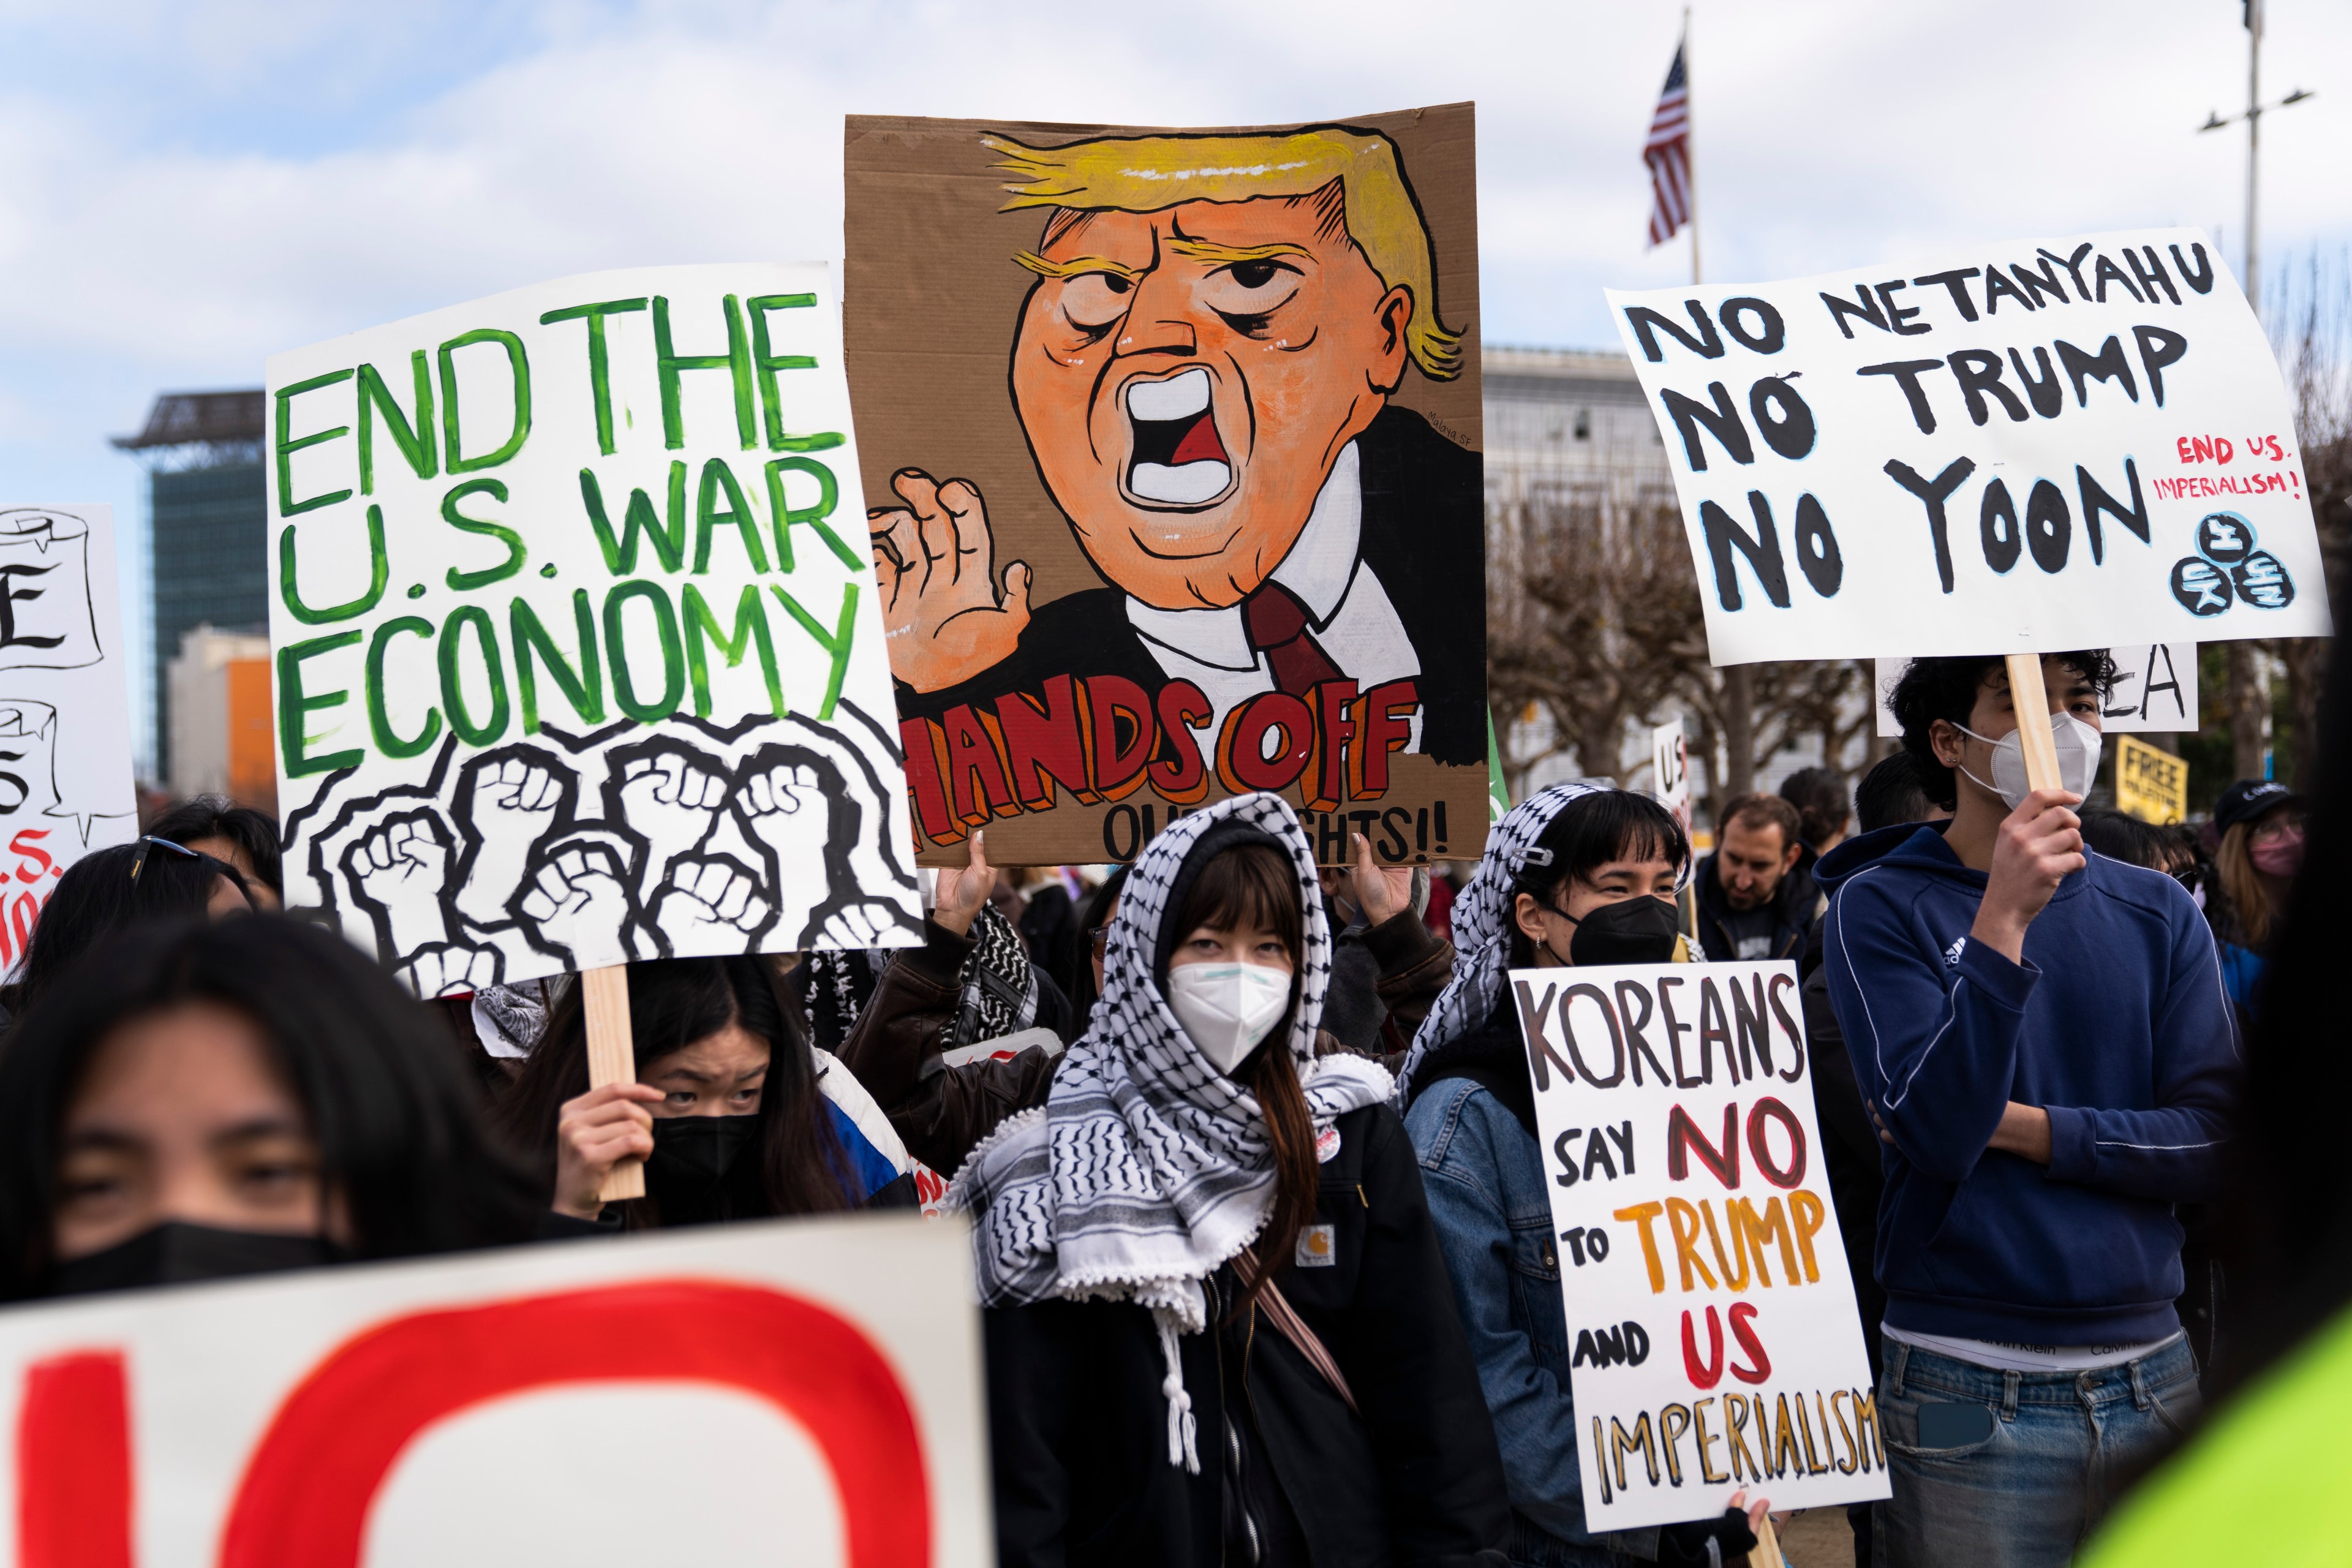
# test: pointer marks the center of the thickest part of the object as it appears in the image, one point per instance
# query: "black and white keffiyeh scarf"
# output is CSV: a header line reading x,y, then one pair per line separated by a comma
x,y
996,990
1147,1170
1482,925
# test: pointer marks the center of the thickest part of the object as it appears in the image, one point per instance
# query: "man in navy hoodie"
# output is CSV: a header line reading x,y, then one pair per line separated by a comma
x,y
2042,1039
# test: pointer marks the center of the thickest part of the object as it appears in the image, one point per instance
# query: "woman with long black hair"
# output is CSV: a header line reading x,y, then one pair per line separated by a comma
x,y
197,1100
1578,874
734,1114
1218,1329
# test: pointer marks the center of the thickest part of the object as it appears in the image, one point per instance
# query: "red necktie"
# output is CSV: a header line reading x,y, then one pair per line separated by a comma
x,y
1276,625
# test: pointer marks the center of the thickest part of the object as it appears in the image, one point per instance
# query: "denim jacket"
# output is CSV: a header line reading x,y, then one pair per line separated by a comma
x,y
1484,1174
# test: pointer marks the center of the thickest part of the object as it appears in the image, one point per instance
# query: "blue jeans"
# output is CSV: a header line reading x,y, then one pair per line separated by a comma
x,y
2028,1493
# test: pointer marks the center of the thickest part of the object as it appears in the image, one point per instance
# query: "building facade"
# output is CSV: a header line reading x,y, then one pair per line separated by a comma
x,y
207,529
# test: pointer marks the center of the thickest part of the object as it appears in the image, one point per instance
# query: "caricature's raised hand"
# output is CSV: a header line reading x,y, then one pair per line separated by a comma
x,y
400,865
670,796
942,618
711,904
447,969
580,902
512,804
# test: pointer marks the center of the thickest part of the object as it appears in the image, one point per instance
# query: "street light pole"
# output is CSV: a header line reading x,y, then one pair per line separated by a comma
x,y
2253,152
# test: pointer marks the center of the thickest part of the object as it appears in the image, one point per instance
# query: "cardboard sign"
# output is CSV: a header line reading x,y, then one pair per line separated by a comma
x,y
1714,1340
2030,445
1174,442
579,657
1670,771
65,716
812,1386
2155,691
2150,784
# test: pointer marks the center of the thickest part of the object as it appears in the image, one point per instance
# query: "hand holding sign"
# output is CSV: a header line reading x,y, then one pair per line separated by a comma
x,y
2039,843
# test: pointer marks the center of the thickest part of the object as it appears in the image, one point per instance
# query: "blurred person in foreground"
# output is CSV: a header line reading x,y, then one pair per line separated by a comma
x,y
2260,1480
196,1102
2042,1040
2258,830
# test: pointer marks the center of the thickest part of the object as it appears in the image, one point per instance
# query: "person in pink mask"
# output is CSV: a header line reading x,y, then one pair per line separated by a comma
x,y
2259,824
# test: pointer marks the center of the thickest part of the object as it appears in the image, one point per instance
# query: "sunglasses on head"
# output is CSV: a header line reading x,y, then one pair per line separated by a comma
x,y
139,861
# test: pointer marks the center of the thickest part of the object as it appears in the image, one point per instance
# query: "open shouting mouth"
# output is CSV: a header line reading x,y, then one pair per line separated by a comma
x,y
1177,458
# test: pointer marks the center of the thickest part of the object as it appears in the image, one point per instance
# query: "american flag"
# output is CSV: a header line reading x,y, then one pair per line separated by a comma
x,y
1667,152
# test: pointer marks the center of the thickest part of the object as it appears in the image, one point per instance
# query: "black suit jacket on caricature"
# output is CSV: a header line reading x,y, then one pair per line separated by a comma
x,y
1423,537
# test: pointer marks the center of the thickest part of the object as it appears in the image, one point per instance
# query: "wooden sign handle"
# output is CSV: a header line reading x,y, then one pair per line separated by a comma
x,y
2027,696
1767,1553
611,1059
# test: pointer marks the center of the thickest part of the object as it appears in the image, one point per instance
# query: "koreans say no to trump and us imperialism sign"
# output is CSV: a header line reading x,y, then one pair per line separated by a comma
x,y
2034,446
1714,1342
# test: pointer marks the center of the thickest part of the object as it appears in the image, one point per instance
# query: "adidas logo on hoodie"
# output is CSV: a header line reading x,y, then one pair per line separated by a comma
x,y
1952,953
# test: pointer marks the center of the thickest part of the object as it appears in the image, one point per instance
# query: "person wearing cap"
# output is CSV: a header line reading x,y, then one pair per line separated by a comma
x,y
2259,825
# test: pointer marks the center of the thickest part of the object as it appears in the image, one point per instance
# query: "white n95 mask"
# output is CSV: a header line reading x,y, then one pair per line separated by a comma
x,y
1227,1008
2078,759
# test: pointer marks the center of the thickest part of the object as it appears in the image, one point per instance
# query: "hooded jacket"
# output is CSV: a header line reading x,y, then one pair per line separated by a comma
x,y
2114,1023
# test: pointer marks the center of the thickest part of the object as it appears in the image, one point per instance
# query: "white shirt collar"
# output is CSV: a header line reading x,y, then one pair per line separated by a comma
x,y
1318,569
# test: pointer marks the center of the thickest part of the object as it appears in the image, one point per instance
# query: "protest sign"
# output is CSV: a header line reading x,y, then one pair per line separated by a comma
x,y
1670,771
578,652
2155,691
1714,1340
2028,447
803,1390
65,715
2150,784
1174,439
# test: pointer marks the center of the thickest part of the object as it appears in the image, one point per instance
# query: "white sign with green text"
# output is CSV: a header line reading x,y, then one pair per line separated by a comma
x,y
577,651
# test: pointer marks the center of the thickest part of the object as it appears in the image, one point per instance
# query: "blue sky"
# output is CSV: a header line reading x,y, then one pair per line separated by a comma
x,y
188,188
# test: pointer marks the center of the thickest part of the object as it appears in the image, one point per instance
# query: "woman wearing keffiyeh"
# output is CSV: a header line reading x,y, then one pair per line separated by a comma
x,y
1218,1329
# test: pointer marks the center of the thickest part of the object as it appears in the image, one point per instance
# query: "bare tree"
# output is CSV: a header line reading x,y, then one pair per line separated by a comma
x,y
1594,623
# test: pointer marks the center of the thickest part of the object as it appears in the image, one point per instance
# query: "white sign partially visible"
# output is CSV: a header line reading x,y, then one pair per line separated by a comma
x,y
2155,694
813,1386
1714,1342
65,714
2033,445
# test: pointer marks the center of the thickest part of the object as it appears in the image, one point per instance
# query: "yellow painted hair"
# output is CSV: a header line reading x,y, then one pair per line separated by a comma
x,y
1150,174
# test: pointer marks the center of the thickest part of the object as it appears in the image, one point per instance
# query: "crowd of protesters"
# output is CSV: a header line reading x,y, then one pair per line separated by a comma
x,y
1261,1228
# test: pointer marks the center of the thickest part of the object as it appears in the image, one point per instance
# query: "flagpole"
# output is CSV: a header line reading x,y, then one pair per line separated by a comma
x,y
1690,146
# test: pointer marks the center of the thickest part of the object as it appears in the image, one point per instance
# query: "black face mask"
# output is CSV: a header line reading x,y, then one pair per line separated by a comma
x,y
698,1174
1639,930
175,1254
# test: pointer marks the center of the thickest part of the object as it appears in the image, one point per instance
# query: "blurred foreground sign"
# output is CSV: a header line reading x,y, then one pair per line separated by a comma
x,y
578,655
2031,446
805,1390
1715,1343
